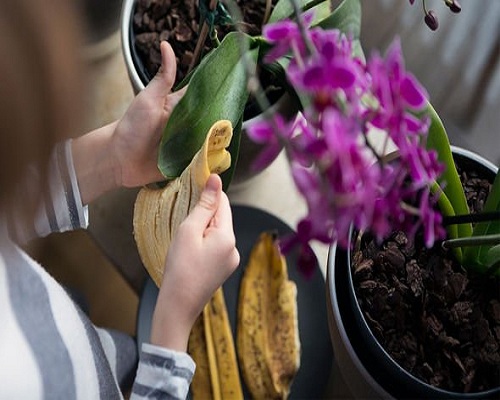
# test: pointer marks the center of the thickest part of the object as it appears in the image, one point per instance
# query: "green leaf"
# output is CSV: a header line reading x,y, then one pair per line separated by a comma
x,y
484,255
437,139
446,208
234,149
284,9
217,90
346,18
492,260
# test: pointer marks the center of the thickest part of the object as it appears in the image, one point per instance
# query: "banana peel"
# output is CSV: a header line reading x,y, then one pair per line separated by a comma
x,y
212,347
157,216
268,343
159,212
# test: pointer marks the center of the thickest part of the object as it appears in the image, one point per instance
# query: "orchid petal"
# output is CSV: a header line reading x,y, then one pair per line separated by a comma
x,y
413,93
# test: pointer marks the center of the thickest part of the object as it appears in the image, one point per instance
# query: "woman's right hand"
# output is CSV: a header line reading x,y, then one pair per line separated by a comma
x,y
201,256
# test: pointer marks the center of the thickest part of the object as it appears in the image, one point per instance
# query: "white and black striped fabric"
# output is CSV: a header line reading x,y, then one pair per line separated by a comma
x,y
49,349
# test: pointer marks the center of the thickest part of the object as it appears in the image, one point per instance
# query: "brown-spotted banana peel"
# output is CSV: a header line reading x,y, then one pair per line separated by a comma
x,y
267,336
159,212
157,215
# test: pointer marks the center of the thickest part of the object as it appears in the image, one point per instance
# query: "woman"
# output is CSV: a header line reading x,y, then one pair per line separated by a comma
x,y
48,347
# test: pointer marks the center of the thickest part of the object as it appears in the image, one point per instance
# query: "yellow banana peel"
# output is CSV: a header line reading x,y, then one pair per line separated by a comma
x,y
157,215
267,336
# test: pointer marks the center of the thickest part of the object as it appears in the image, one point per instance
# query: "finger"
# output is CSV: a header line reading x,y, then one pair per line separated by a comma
x,y
164,79
203,212
224,216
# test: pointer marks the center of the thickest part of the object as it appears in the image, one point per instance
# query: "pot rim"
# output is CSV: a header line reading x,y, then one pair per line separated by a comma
x,y
333,256
474,156
125,26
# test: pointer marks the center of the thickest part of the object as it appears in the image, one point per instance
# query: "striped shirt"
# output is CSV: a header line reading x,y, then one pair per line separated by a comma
x,y
48,347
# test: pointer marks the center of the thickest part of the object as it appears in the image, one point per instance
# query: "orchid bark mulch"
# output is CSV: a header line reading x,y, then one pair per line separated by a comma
x,y
439,322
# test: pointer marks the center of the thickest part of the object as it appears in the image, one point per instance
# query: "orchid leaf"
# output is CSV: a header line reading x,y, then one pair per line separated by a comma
x,y
437,139
492,260
446,208
284,9
346,18
484,256
217,90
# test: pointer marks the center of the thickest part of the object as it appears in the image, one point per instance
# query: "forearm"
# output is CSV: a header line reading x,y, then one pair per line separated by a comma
x,y
172,321
95,163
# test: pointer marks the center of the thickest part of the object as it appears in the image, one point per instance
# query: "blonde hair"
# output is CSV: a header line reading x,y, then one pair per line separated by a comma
x,y
40,84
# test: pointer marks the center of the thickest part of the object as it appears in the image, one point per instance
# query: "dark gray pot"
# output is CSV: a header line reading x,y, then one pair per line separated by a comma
x,y
368,370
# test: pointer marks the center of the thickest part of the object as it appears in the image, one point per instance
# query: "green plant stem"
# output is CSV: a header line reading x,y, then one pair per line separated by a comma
x,y
472,241
424,7
297,11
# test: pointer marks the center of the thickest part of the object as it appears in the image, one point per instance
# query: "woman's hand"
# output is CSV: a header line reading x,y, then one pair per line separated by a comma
x,y
125,152
138,133
201,257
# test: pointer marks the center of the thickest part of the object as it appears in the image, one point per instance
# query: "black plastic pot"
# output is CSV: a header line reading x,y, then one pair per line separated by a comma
x,y
369,371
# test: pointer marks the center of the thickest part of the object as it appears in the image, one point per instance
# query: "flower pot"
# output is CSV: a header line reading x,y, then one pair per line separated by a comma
x,y
140,75
367,367
180,31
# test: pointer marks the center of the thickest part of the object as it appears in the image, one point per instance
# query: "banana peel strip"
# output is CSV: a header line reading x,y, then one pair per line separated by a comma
x,y
219,378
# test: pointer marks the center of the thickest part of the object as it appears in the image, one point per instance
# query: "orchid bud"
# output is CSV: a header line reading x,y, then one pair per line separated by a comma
x,y
431,20
455,7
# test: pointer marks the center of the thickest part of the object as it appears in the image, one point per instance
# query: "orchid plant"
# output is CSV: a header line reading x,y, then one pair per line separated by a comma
x,y
348,102
353,111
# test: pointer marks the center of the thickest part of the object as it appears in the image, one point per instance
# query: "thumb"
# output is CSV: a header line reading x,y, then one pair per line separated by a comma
x,y
208,205
164,79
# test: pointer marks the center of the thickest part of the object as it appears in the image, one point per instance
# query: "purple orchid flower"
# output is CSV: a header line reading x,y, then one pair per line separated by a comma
x,y
342,179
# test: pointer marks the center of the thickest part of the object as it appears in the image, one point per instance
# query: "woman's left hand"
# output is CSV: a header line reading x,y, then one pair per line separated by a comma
x,y
137,135
125,153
